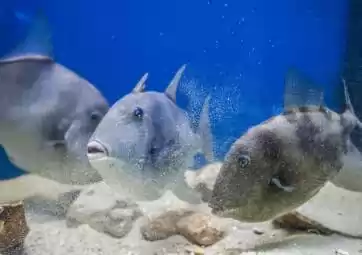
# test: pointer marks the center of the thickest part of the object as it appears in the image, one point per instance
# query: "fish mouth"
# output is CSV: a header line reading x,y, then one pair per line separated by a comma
x,y
221,211
224,213
239,214
216,208
96,150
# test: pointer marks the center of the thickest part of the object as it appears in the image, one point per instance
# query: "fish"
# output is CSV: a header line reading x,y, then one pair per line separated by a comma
x,y
279,164
47,114
145,143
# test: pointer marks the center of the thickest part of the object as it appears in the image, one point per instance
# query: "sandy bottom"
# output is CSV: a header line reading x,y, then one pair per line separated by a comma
x,y
49,235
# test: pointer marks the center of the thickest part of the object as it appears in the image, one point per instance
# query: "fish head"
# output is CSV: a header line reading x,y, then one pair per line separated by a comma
x,y
140,140
68,119
90,108
128,131
130,145
244,188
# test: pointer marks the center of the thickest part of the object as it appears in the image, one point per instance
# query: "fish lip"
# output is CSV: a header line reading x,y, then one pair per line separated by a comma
x,y
96,150
216,208
217,212
222,212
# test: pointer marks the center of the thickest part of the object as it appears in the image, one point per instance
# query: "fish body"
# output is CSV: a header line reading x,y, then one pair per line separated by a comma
x,y
47,113
278,165
145,142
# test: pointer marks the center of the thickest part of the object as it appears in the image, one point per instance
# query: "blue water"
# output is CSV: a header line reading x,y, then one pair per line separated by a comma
x,y
236,50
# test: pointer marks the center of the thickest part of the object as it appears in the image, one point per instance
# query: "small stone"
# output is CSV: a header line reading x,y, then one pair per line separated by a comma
x,y
340,252
13,226
258,231
198,229
195,250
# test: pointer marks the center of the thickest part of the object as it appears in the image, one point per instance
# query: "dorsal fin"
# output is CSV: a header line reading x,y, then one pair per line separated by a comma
x,y
300,92
348,103
141,84
37,44
205,133
173,85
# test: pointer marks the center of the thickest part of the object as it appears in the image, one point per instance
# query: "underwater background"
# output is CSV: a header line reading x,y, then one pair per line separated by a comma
x,y
237,51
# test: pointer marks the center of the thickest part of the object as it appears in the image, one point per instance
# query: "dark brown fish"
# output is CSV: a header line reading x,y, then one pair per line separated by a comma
x,y
281,163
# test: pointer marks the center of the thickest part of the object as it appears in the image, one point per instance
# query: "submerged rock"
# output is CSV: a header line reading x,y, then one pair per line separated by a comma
x,y
296,221
203,180
57,206
197,228
103,210
332,210
163,226
13,226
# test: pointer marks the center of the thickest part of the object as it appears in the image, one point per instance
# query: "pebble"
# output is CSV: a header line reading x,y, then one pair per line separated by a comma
x,y
258,231
340,252
195,250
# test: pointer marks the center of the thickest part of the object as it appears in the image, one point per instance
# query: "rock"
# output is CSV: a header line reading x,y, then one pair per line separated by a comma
x,y
57,207
196,227
332,209
296,221
203,180
164,226
103,210
13,226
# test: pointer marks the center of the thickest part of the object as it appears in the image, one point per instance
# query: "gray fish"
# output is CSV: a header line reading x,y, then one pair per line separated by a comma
x,y
146,138
47,112
281,163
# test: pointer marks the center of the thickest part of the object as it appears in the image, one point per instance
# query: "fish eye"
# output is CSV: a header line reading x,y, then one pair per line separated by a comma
x,y
59,145
95,116
138,112
244,161
153,150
